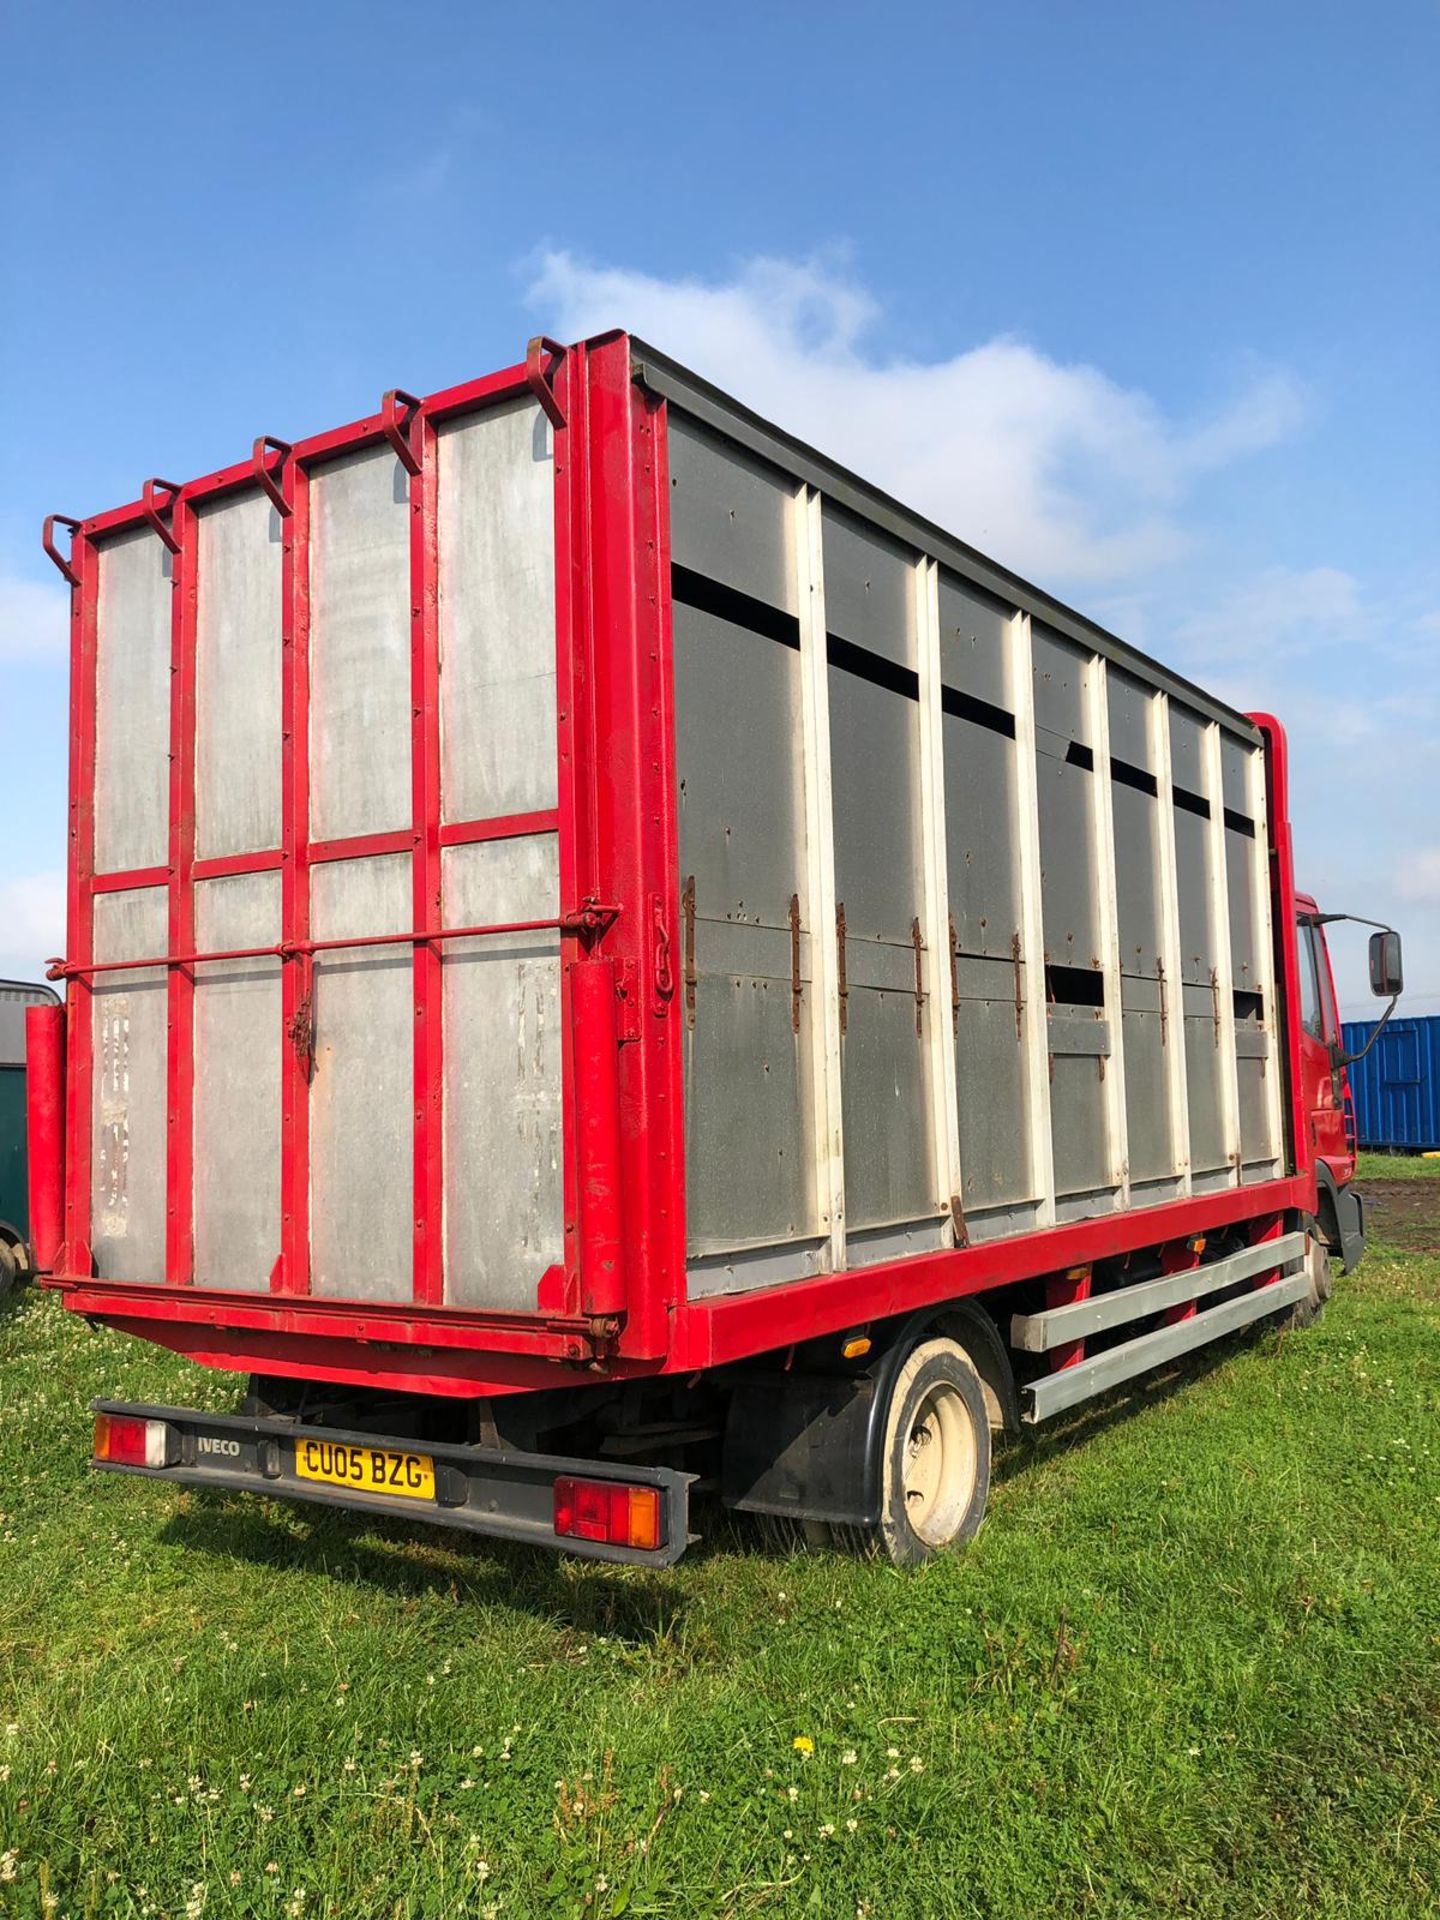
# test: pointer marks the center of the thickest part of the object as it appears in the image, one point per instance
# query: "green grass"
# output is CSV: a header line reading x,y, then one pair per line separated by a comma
x,y
1190,1667
1397,1166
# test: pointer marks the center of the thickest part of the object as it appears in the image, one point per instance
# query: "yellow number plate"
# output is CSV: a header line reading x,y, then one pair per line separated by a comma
x,y
366,1469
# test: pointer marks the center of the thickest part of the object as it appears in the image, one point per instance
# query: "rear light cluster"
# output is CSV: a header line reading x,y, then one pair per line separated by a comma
x,y
128,1441
609,1511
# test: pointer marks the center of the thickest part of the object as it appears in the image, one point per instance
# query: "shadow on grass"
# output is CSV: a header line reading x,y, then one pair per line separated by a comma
x,y
1070,1432
633,1604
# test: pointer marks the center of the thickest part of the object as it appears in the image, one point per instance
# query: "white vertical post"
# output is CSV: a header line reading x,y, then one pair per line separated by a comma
x,y
825,1083
1107,914
1035,1032
1265,951
1224,981
935,922
1172,984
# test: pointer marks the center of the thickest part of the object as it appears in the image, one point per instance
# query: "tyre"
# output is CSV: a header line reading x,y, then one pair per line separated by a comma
x,y
936,1459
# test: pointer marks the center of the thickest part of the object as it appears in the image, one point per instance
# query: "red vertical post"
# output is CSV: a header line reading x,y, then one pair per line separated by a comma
x,y
1180,1256
1060,1290
74,1256
291,1273
1282,920
45,1130
180,984
601,1175
429,1163
626,543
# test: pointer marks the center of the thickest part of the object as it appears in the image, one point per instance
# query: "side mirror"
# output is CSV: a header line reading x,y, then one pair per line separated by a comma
x,y
1387,974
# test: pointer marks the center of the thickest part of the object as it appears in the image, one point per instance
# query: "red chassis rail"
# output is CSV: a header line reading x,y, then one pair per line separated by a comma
x,y
617,1305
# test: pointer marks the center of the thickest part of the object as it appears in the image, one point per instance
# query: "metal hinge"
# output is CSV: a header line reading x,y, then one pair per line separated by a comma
x,y
795,982
843,987
919,945
687,903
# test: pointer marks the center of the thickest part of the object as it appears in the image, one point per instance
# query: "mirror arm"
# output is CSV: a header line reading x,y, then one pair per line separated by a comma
x,y
1343,1059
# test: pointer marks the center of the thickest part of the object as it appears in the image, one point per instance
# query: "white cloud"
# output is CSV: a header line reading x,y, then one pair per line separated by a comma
x,y
1281,610
1055,469
32,924
34,618
1417,877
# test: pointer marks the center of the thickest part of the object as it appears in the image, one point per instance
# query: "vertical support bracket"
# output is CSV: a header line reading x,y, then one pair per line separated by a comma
x,y
1108,919
1224,979
1031,953
1172,972
935,968
823,911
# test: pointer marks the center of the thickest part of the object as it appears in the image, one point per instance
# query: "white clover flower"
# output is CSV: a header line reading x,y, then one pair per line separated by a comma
x,y
849,1757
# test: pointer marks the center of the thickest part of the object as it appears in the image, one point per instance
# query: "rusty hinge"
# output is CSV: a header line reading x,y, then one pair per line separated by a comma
x,y
300,1032
843,988
1164,1000
957,1214
954,971
1019,992
1215,1001
919,945
687,903
795,984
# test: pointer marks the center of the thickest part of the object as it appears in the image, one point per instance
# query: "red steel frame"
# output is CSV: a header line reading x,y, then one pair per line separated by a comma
x,y
617,1304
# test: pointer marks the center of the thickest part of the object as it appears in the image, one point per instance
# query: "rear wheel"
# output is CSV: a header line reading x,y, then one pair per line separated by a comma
x,y
936,1459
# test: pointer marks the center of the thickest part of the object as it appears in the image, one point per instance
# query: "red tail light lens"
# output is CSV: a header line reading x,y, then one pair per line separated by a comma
x,y
608,1510
128,1441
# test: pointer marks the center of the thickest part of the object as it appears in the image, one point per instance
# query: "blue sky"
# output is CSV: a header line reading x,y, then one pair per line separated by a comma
x,y
1142,299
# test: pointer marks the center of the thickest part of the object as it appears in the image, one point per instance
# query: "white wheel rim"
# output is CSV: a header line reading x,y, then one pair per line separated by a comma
x,y
939,1465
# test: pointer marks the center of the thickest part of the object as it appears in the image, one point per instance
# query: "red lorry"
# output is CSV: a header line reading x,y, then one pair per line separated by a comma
x,y
606,954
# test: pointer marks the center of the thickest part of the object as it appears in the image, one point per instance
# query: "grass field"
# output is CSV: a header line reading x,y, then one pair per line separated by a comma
x,y
1190,1667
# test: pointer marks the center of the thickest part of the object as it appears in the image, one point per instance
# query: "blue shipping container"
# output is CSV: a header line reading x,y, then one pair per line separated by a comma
x,y
1397,1085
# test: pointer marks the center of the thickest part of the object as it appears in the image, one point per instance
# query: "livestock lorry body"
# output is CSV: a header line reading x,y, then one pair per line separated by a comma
x,y
605,952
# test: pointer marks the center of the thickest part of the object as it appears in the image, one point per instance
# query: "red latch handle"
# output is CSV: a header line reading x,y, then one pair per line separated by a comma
x,y
67,567
541,380
397,432
152,512
269,480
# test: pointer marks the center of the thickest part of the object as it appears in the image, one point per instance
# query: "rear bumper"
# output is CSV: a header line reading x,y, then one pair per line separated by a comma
x,y
505,1496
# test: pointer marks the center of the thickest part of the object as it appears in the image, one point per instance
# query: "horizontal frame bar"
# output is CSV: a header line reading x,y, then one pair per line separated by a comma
x,y
1057,1391
1039,1332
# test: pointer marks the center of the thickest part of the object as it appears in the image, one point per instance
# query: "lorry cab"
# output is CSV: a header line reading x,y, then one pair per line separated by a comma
x,y
1324,1081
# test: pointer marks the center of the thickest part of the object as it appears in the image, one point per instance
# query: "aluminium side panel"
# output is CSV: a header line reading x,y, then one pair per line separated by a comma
x,y
128,1011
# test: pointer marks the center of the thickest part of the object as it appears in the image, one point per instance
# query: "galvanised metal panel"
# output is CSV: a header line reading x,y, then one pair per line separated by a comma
x,y
504,1123
974,641
750,1133
730,516
874,771
361,1092
887,1116
239,543
740,767
1257,1149
869,587
1130,702
497,612
1240,853
359,645
750,1140
1136,817
981,828
1203,1081
1235,757
1066,797
990,1081
132,704
1062,687
1077,1122
128,1118
237,1084
1396,1087
1192,873
1147,1105
1187,765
